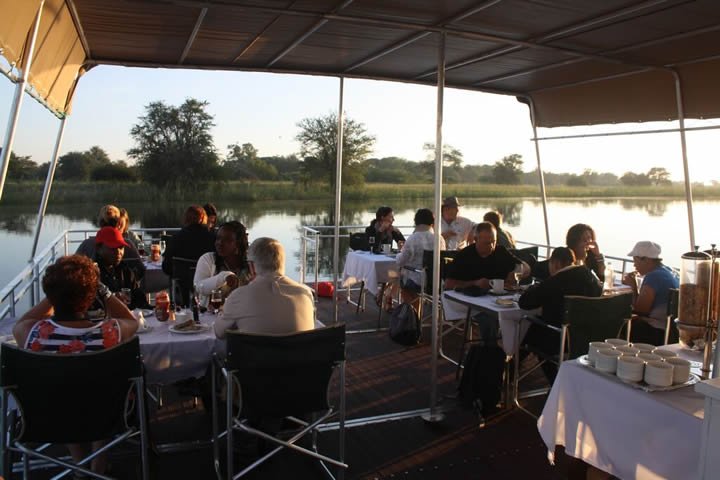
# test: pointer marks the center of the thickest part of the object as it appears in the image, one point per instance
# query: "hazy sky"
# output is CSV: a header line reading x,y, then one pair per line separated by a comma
x,y
263,109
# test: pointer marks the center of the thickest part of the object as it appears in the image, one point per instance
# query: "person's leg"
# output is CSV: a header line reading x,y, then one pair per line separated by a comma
x,y
99,464
642,332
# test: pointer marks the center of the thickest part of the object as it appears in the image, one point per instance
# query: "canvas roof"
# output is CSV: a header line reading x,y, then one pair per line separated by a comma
x,y
581,61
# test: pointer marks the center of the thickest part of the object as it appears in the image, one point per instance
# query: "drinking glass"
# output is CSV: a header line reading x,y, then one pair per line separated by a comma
x,y
125,295
216,300
518,277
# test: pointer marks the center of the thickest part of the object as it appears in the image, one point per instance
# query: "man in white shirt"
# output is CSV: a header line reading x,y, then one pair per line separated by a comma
x,y
454,228
271,303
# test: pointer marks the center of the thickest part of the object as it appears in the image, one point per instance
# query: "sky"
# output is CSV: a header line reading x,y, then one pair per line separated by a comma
x,y
264,109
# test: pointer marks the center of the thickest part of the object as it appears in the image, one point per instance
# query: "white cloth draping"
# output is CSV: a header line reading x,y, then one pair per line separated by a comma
x,y
455,305
367,267
624,431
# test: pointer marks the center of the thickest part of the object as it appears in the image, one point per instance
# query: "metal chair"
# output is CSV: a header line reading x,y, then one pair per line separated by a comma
x,y
671,335
181,280
281,377
73,398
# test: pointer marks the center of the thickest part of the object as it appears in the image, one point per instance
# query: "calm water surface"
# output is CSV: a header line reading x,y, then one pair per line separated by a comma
x,y
619,223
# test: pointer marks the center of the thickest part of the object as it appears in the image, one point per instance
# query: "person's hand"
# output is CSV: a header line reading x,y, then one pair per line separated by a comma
x,y
232,281
594,248
630,279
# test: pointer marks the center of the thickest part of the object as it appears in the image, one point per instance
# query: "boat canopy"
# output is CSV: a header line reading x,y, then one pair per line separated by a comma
x,y
578,61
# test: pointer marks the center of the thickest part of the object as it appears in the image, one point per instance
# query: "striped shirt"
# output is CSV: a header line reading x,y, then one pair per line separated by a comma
x,y
48,336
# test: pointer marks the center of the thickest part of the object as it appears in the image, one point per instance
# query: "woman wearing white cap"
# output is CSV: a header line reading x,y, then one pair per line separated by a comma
x,y
649,301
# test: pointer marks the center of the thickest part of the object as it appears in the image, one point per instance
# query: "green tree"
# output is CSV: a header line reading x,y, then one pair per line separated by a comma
x,y
21,168
508,170
659,176
318,147
75,166
288,167
635,179
97,156
452,157
242,161
118,172
577,181
174,147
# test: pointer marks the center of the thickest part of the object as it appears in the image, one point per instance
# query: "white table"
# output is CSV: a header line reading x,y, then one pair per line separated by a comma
x,y
457,304
624,431
368,267
169,357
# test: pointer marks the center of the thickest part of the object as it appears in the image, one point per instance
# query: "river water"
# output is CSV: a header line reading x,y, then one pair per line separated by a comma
x,y
618,223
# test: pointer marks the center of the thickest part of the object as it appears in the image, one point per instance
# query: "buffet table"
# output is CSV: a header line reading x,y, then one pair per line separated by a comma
x,y
624,431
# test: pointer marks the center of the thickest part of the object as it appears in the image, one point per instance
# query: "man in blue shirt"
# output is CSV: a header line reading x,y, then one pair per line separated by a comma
x,y
650,301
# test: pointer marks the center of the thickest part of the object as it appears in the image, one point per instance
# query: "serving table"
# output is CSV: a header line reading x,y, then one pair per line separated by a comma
x,y
625,431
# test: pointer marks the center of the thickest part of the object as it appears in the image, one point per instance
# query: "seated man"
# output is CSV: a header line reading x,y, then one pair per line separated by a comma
x,y
482,261
504,238
456,230
271,303
109,252
109,216
566,278
650,301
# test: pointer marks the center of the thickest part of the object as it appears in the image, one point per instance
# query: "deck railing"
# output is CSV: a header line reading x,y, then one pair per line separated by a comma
x,y
24,291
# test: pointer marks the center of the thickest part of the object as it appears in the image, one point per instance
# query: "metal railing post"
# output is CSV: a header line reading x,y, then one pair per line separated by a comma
x,y
303,255
541,175
686,168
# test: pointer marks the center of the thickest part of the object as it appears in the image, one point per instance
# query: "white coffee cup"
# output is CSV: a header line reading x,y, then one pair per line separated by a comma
x,y
616,342
664,353
386,248
182,316
593,348
644,347
497,285
606,360
659,374
681,369
650,357
630,369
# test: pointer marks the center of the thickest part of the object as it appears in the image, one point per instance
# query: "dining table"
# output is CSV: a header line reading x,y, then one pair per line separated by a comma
x,y
621,429
368,267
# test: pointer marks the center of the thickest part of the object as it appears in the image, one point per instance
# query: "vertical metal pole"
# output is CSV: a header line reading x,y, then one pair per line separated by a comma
x,y
48,186
338,191
434,415
18,99
686,169
541,176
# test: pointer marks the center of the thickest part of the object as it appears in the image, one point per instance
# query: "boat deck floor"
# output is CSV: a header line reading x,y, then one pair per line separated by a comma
x,y
382,377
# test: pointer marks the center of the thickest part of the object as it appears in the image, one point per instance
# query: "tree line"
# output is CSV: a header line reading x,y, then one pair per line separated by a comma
x,y
174,149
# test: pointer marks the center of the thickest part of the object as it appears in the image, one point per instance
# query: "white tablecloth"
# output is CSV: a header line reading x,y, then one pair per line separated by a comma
x,y
367,267
455,306
169,357
624,431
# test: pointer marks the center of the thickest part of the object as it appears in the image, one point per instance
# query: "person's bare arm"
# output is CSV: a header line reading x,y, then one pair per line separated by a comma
x,y
41,311
644,300
116,309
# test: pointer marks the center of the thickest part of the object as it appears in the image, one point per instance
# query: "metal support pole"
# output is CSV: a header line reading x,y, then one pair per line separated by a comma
x,y
541,176
48,186
338,191
686,169
434,415
18,99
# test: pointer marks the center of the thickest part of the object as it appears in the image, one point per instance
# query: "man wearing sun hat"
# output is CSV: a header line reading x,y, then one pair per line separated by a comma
x,y
454,228
114,273
650,300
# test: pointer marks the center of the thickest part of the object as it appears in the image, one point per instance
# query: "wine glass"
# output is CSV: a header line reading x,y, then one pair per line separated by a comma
x,y
216,300
371,241
125,295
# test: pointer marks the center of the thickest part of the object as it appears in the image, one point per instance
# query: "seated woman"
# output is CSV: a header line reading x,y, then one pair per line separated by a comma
x,y
59,324
123,225
227,267
566,278
382,231
650,301
411,255
581,240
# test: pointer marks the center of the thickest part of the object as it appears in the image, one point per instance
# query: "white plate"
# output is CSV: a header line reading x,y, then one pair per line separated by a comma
x,y
148,313
148,328
199,328
504,302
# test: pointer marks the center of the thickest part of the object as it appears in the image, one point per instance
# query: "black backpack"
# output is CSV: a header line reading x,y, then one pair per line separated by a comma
x,y
481,382
405,326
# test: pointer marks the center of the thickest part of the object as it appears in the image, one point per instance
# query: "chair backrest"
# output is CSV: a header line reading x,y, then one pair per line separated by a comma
x,y
70,398
359,241
446,258
528,255
592,319
283,375
673,303
183,274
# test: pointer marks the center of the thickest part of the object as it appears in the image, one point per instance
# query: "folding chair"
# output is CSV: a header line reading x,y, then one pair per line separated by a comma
x,y
671,334
359,241
281,377
181,281
587,319
528,255
71,398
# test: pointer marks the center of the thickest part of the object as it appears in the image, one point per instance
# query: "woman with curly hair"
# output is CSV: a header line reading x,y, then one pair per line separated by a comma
x,y
59,324
227,267
581,240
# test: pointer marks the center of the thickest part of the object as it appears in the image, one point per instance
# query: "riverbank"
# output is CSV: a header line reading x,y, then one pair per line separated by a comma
x,y
108,192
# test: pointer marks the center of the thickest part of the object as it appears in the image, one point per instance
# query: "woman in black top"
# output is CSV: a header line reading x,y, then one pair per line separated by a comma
x,y
581,240
381,229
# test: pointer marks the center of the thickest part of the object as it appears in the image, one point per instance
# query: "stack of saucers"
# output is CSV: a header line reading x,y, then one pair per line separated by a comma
x,y
630,368
659,374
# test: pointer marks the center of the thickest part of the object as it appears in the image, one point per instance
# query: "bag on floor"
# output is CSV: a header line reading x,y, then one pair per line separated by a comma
x,y
405,325
482,377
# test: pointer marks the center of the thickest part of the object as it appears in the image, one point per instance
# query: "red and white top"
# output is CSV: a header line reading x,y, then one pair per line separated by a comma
x,y
48,336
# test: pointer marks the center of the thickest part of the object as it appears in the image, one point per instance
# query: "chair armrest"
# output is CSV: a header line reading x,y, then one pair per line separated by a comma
x,y
534,319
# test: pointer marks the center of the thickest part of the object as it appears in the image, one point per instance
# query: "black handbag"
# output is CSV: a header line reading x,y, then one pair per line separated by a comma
x,y
405,325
